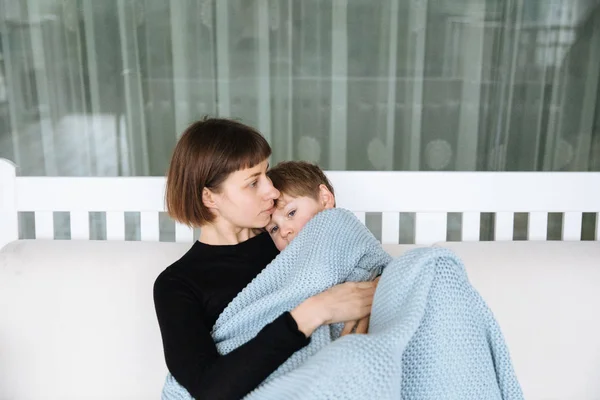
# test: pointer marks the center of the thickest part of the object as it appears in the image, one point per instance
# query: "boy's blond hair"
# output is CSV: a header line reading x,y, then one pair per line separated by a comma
x,y
299,179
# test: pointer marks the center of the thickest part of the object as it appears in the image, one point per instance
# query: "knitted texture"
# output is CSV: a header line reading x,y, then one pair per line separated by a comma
x,y
431,336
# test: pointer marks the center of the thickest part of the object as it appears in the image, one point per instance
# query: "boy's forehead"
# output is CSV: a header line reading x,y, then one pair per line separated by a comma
x,y
283,200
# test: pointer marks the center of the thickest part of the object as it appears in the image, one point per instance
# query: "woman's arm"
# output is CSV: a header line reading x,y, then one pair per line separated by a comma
x,y
191,354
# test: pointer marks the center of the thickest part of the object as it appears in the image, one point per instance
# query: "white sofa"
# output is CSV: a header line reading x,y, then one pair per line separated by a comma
x,y
77,318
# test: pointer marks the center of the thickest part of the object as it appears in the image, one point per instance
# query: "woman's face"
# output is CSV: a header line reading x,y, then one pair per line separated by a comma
x,y
246,198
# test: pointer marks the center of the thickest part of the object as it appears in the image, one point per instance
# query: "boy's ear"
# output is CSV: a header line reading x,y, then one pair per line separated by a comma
x,y
208,199
326,198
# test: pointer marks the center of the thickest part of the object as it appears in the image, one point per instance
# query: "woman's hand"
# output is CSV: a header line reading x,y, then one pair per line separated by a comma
x,y
361,326
350,301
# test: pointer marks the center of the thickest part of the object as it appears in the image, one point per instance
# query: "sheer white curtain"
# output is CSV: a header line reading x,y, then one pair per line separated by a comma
x,y
105,87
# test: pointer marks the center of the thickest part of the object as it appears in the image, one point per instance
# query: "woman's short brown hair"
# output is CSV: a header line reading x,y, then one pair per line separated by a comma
x,y
207,152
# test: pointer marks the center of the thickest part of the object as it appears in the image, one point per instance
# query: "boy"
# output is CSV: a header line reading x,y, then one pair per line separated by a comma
x,y
305,191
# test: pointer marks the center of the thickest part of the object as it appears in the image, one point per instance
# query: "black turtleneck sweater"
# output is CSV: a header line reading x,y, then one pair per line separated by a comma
x,y
190,295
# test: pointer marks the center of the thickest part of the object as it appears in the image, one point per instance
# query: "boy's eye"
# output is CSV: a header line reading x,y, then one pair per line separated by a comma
x,y
292,213
273,229
253,184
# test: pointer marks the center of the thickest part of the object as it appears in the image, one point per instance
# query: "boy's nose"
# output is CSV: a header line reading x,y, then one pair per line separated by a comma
x,y
286,232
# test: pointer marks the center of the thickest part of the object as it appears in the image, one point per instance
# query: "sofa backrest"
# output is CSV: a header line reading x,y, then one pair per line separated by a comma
x,y
424,200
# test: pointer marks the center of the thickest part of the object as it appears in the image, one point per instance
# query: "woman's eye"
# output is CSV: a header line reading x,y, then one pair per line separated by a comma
x,y
253,184
273,229
292,213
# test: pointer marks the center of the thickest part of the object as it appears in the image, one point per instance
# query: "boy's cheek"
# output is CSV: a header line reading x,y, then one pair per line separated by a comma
x,y
279,243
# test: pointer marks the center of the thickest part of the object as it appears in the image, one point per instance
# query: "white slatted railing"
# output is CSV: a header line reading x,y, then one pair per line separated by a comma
x,y
503,225
432,195
44,224
390,227
427,196
149,226
115,225
537,225
430,227
80,225
470,230
571,229
183,233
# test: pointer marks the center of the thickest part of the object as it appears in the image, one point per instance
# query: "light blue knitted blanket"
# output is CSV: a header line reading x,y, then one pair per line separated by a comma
x,y
431,336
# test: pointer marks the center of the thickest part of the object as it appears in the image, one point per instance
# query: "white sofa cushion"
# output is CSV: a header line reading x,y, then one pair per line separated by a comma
x,y
78,320
77,317
546,298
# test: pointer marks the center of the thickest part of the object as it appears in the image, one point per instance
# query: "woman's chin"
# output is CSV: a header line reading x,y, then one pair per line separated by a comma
x,y
262,221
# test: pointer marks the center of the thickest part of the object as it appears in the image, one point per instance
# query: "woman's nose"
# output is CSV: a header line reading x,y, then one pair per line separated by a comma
x,y
271,192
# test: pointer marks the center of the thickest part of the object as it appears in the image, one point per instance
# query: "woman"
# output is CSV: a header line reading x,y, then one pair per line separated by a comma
x,y
217,181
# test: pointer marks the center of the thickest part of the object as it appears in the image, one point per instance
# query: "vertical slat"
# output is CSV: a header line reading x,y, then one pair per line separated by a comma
x,y
504,226
183,233
44,225
80,225
571,227
361,216
538,226
470,226
430,228
115,225
9,216
149,226
390,227
339,86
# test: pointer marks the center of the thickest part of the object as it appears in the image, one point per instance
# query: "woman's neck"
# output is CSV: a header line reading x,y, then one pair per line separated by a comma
x,y
219,235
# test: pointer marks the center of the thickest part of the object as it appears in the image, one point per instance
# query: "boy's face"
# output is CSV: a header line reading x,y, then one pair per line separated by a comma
x,y
290,216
